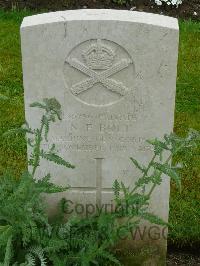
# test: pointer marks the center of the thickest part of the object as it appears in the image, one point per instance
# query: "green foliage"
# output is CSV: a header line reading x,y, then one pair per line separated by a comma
x,y
22,208
8,254
120,2
185,207
135,200
52,110
27,238
36,253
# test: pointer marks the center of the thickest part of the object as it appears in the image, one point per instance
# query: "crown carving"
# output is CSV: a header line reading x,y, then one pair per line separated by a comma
x,y
99,56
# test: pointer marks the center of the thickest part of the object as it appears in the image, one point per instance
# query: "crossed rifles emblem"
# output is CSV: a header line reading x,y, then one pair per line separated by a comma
x,y
102,77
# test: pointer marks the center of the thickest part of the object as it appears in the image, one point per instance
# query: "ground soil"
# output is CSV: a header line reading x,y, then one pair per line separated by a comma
x,y
190,9
185,256
179,258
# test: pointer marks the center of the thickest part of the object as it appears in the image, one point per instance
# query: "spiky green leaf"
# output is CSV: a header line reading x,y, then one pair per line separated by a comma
x,y
169,171
57,159
136,163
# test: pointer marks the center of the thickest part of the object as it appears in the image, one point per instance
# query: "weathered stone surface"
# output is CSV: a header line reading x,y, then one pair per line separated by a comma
x,y
114,73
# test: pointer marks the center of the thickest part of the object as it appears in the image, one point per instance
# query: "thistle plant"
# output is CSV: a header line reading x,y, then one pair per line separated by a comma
x,y
22,209
134,201
28,238
52,110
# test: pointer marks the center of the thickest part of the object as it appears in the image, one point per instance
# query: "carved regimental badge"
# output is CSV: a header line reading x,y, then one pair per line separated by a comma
x,y
99,72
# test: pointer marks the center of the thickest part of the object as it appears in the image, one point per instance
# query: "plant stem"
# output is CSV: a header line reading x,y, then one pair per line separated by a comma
x,y
37,148
145,173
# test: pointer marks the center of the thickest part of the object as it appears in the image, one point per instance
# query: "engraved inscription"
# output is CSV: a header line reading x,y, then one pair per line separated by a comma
x,y
87,143
97,63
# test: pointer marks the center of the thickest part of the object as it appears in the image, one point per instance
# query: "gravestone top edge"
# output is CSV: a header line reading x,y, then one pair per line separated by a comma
x,y
100,15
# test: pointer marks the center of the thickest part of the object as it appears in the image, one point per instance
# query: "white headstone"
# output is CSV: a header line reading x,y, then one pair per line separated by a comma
x,y
114,73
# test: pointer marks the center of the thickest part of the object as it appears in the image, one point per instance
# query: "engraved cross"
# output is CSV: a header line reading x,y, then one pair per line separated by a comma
x,y
99,182
99,188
